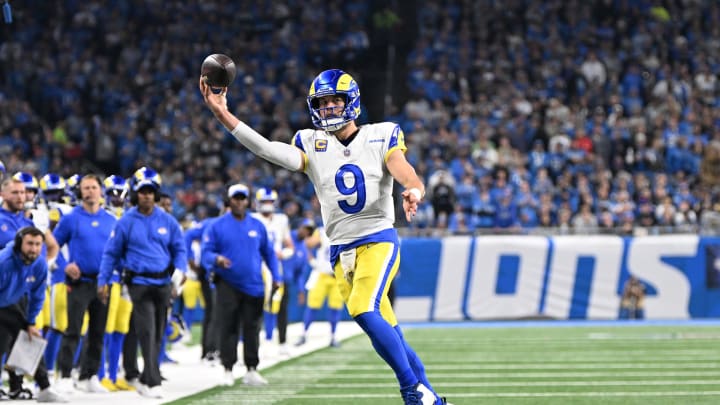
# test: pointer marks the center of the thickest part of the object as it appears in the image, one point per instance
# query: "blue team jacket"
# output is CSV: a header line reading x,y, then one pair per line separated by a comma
x,y
193,234
85,235
17,279
10,223
245,242
294,267
144,244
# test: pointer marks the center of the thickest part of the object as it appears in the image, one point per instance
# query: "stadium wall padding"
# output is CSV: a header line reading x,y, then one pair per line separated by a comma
x,y
559,277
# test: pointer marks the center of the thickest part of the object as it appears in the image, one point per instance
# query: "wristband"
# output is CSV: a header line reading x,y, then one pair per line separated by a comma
x,y
416,192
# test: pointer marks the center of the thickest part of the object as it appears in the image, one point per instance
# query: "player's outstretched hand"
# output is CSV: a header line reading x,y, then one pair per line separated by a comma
x,y
217,102
410,204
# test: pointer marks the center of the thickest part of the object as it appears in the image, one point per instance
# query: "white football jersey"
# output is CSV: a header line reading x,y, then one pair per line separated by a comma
x,y
352,183
117,212
63,208
278,228
40,217
43,214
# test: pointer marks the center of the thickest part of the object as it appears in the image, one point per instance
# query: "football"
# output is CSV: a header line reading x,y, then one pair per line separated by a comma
x,y
218,70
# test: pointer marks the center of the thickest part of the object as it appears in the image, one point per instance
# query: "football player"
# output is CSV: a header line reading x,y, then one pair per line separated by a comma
x,y
278,228
50,202
321,286
72,195
193,239
352,168
119,304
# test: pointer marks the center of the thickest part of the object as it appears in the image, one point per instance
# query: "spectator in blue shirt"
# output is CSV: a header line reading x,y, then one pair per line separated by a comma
x,y
23,272
506,215
235,245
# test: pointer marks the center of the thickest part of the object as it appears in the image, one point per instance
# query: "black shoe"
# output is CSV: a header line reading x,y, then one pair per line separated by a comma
x,y
22,393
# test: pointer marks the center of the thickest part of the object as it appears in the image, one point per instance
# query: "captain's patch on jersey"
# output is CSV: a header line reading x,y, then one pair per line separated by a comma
x,y
321,145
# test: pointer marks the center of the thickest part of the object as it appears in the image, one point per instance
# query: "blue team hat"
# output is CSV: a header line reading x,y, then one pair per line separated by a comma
x,y
237,189
308,223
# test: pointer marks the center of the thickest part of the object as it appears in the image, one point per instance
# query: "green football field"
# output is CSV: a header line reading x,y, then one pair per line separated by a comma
x,y
507,365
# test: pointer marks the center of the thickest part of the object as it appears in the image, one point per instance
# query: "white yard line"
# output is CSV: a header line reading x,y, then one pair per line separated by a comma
x,y
468,384
269,396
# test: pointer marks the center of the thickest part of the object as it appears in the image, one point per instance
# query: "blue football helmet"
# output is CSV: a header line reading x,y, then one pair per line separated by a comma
x,y
176,328
53,187
3,170
146,176
331,82
31,188
73,182
115,190
28,179
266,198
73,188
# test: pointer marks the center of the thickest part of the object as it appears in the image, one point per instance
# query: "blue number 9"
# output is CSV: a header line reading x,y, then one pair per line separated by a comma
x,y
358,187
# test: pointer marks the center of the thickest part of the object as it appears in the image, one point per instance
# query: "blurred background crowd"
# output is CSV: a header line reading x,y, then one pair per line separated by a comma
x,y
522,116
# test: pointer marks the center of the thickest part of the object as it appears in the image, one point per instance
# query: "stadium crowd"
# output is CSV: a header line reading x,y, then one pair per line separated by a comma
x,y
520,115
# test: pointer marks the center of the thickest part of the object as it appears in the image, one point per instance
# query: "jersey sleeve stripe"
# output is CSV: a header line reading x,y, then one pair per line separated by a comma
x,y
297,141
395,137
396,141
391,150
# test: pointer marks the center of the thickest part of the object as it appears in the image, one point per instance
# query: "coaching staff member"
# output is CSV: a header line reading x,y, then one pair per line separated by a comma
x,y
85,230
148,244
24,271
235,244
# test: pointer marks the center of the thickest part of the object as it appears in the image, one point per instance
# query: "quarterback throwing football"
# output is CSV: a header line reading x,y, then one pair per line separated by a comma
x,y
352,169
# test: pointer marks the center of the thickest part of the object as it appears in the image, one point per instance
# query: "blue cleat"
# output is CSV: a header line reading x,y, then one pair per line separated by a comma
x,y
421,395
164,358
418,394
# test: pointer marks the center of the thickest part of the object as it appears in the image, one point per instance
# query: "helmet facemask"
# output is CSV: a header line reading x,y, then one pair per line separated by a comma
x,y
266,207
333,120
116,198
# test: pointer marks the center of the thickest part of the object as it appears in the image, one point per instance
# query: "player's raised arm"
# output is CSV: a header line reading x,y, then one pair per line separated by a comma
x,y
279,153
